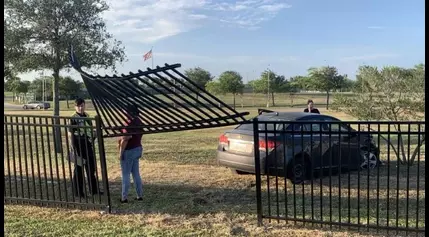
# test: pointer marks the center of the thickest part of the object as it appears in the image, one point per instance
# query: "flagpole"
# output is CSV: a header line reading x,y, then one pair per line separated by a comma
x,y
152,56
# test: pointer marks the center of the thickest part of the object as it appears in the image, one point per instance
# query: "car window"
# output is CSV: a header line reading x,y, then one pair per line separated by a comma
x,y
335,127
269,126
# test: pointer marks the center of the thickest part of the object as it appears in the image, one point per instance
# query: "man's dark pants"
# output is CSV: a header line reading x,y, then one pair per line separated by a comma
x,y
84,149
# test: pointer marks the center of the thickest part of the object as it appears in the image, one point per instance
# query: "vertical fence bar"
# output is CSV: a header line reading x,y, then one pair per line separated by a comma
x,y
330,172
6,132
50,159
23,126
37,157
66,196
293,172
358,189
43,158
408,163
13,156
368,144
277,173
312,174
31,158
18,141
340,157
68,150
378,177
418,176
285,163
103,164
305,176
257,170
267,171
56,127
397,175
388,178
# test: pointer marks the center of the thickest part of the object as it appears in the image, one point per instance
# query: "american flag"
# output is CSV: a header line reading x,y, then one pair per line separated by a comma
x,y
148,55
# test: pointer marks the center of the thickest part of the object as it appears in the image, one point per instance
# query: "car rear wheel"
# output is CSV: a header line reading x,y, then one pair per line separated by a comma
x,y
38,107
298,170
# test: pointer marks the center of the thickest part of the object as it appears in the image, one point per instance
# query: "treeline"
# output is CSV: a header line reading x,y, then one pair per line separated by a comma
x,y
322,79
68,87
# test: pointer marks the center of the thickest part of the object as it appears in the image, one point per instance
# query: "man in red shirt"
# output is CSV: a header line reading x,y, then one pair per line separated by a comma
x,y
130,151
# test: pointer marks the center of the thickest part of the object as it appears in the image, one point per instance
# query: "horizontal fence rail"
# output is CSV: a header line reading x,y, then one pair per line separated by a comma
x,y
363,175
44,165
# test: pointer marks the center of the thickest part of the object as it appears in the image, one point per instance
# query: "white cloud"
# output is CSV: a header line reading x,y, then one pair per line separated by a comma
x,y
147,21
368,57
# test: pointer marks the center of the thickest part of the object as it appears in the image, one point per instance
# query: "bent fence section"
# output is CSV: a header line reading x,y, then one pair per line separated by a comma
x,y
359,175
38,168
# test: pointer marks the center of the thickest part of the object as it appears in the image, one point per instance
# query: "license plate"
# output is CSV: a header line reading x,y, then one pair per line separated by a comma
x,y
236,146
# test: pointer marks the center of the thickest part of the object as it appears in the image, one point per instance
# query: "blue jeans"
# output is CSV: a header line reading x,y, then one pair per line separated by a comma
x,y
130,165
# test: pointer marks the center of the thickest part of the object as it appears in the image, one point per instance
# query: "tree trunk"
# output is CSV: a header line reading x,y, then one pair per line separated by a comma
x,y
241,100
67,101
291,100
13,97
233,96
327,100
272,96
57,129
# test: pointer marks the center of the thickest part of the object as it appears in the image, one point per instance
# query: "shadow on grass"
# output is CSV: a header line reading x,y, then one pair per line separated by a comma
x,y
328,205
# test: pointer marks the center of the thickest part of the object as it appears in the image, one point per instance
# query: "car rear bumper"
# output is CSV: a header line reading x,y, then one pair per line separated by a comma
x,y
239,162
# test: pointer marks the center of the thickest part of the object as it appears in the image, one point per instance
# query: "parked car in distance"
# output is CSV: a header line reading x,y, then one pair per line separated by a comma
x,y
295,155
36,105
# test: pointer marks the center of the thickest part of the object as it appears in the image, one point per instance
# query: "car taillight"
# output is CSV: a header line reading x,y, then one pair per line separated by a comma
x,y
223,139
269,144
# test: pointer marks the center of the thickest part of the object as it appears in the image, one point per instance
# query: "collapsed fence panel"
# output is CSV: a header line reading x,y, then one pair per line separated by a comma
x,y
166,99
359,175
34,173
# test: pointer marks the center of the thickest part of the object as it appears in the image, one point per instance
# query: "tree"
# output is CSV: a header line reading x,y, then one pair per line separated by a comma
x,y
292,87
214,88
36,87
46,29
326,79
231,82
199,76
18,87
392,93
69,88
302,83
277,84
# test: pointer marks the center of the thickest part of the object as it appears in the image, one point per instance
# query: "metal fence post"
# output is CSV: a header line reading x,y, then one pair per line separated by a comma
x,y
257,169
102,156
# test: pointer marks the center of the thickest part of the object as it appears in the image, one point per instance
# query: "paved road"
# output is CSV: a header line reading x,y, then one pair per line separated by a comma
x,y
8,106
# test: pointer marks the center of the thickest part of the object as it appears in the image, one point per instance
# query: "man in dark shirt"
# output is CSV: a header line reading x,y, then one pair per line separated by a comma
x,y
310,108
130,151
81,136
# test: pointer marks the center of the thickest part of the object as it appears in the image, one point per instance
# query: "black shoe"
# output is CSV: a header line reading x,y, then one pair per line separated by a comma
x,y
123,201
138,199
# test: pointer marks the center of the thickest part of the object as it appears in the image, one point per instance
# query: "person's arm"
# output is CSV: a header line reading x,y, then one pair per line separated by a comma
x,y
122,144
123,141
70,133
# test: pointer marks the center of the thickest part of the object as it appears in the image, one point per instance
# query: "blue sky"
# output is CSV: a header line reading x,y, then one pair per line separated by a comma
x,y
251,35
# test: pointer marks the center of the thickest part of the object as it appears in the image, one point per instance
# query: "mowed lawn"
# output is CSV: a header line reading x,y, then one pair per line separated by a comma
x,y
185,194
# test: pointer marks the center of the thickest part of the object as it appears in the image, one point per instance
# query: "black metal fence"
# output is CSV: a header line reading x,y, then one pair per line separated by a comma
x,y
363,175
37,172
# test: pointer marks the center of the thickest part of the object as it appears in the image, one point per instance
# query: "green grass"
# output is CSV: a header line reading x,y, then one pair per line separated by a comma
x,y
187,194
